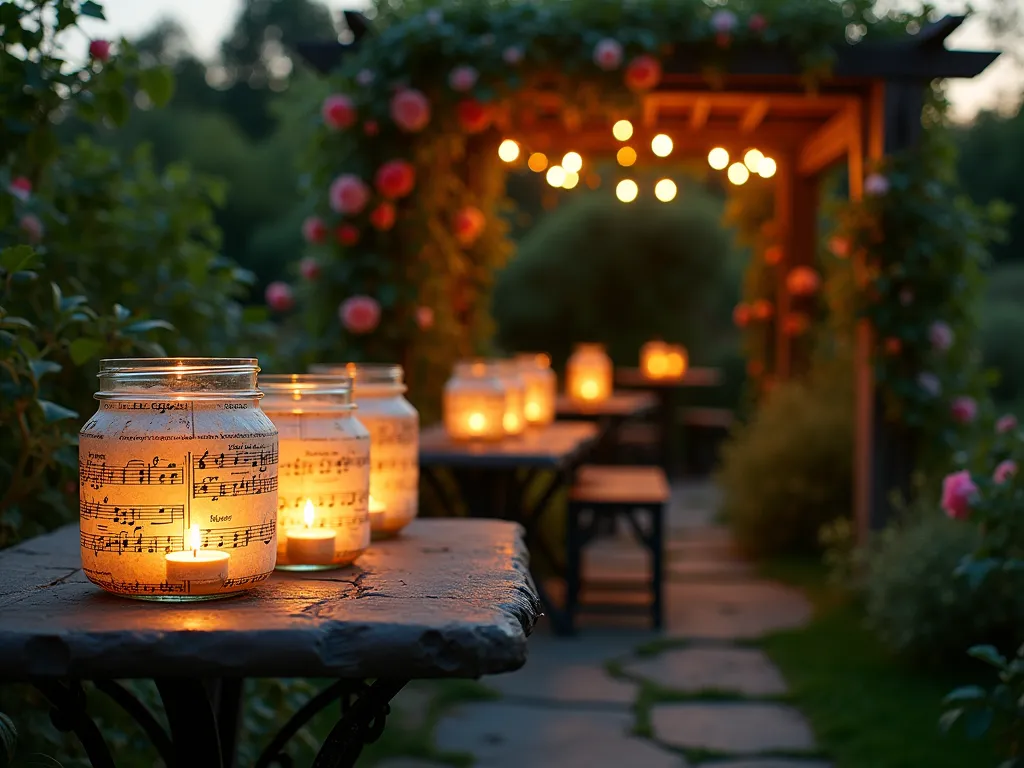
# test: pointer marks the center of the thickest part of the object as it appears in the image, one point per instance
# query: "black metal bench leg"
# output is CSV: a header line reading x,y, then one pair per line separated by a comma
x,y
574,551
657,546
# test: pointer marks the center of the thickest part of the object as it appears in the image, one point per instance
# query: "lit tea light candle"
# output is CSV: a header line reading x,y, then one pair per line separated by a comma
x,y
476,423
309,545
675,361
654,359
541,386
475,403
376,508
589,374
197,565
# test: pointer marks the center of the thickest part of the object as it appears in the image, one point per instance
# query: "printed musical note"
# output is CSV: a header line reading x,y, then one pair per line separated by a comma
x,y
260,459
125,541
129,514
233,538
135,472
213,488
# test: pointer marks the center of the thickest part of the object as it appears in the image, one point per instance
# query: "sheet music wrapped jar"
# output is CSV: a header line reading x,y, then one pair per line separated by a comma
x,y
475,402
588,374
178,475
323,518
541,388
394,425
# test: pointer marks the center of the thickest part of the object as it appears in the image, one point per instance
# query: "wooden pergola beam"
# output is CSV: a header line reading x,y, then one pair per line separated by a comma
x,y
754,115
699,114
827,144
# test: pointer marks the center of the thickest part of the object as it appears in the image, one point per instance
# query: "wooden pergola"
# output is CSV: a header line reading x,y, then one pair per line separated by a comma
x,y
869,107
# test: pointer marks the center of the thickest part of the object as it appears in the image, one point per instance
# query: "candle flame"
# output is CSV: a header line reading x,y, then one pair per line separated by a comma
x,y
510,422
532,410
589,389
477,422
308,513
195,538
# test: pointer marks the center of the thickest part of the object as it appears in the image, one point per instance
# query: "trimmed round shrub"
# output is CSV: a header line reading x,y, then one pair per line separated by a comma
x,y
789,471
919,607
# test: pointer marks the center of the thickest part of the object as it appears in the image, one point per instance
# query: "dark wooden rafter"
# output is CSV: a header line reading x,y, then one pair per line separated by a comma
x,y
829,143
754,115
700,112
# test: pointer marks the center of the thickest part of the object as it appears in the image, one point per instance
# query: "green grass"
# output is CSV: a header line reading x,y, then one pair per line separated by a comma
x,y
868,709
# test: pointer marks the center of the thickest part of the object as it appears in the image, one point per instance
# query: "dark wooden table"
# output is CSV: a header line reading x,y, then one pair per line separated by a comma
x,y
449,598
497,479
609,415
666,392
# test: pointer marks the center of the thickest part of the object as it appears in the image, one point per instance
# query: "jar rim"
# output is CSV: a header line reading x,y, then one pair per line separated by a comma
x,y
196,366
305,383
367,373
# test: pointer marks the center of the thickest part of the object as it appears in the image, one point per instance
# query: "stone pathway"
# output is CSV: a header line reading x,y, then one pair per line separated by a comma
x,y
623,696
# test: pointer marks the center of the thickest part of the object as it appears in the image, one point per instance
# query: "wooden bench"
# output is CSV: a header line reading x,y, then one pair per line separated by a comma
x,y
600,493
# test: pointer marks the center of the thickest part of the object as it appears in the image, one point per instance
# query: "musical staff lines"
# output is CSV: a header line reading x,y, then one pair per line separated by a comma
x,y
130,541
212,488
130,514
241,536
323,500
135,472
259,459
323,467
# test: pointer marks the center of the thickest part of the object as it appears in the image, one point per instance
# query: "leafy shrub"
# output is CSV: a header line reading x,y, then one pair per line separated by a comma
x,y
789,470
602,271
1002,327
920,607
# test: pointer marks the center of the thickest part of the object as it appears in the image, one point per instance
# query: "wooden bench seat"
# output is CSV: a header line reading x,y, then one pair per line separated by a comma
x,y
604,494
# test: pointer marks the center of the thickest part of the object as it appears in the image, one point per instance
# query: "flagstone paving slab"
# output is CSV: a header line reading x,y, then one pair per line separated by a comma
x,y
768,763
744,671
502,735
737,728
739,610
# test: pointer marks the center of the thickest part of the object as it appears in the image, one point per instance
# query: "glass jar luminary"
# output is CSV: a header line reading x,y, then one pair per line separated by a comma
x,y
514,420
541,388
178,477
676,361
323,518
474,403
588,374
654,359
394,426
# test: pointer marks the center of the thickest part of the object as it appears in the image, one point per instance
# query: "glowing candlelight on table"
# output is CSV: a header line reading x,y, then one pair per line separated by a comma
x,y
675,361
308,545
475,401
196,564
589,374
376,508
541,387
654,359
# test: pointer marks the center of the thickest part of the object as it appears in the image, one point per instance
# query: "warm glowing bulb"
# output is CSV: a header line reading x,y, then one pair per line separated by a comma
x,y
572,162
588,389
476,423
766,169
665,190
307,514
508,151
556,176
622,130
718,158
510,422
195,538
752,159
538,162
626,156
738,173
661,145
627,190
532,410
571,180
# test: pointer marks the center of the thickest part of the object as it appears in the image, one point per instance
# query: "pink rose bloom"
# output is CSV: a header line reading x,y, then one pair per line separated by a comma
x,y
839,246
1006,423
468,225
608,54
957,490
940,335
348,194
359,314
1005,471
964,409
382,218
643,73
757,24
279,296
512,55
410,110
100,49
338,112
723,21
20,187
314,230
424,318
32,227
463,78
365,77
876,185
395,179
309,268
930,383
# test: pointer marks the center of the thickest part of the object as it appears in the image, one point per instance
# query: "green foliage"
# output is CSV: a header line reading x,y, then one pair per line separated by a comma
x,y
1002,327
597,270
788,471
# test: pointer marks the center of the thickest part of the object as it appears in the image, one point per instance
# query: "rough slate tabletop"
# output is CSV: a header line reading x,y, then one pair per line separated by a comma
x,y
548,447
694,377
620,404
448,598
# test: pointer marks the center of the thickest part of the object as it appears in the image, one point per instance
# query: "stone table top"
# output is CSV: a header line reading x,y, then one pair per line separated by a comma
x,y
621,404
694,377
549,447
448,598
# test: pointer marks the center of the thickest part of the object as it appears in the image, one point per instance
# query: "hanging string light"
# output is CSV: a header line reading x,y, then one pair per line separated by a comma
x,y
738,173
571,180
622,130
665,190
752,159
508,151
718,158
556,176
626,156
572,162
538,162
627,190
766,168
661,145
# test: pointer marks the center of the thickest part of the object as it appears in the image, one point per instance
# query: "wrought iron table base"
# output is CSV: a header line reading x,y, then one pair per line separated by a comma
x,y
203,719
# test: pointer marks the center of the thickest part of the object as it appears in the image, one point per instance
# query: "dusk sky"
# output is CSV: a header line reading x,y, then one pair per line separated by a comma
x,y
208,20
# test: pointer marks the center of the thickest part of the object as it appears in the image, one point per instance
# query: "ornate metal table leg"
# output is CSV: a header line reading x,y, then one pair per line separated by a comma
x,y
192,722
137,711
361,723
68,714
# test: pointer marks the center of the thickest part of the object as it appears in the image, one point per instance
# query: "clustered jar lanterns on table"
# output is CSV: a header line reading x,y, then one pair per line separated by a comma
x,y
659,360
588,374
474,402
514,420
323,516
178,472
541,388
393,423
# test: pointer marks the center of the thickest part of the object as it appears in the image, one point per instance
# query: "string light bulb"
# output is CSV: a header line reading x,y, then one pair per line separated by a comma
x,y
661,145
622,130
572,162
718,158
626,190
571,180
556,176
665,190
766,168
538,162
752,159
508,151
626,156
738,174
